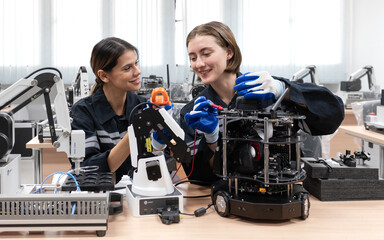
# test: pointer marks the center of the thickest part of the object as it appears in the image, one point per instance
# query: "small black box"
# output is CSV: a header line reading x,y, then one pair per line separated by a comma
x,y
350,86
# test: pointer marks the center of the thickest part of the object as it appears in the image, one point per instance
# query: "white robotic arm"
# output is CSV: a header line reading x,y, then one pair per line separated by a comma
x,y
302,73
369,71
151,177
354,81
70,142
80,86
166,122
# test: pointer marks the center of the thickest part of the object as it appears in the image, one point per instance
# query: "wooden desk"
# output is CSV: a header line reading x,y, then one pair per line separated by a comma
x,y
341,142
361,132
327,220
50,160
372,142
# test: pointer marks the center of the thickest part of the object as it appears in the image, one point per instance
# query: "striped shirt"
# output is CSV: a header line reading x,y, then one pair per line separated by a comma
x,y
103,128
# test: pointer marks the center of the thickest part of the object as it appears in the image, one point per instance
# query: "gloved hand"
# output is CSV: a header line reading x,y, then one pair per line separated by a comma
x,y
203,118
157,142
259,85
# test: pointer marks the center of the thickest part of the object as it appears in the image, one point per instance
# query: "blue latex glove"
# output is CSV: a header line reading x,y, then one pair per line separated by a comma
x,y
259,85
157,142
203,117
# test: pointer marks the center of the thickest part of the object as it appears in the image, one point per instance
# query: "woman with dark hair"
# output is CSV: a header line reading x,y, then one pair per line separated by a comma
x,y
103,116
216,58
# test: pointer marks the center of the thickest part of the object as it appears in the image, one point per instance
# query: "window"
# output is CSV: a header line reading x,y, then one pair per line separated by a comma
x,y
189,14
284,36
279,36
21,42
61,34
76,28
149,25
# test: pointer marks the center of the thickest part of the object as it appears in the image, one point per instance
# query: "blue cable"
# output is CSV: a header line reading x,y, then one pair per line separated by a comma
x,y
77,184
62,173
57,182
73,209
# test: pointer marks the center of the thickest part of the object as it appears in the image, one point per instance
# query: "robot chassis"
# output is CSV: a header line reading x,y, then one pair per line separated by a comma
x,y
264,184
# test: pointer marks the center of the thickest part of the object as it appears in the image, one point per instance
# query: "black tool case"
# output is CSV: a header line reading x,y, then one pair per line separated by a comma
x,y
340,183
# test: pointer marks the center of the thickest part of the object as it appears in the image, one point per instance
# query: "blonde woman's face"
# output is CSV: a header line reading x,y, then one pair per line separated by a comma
x,y
208,59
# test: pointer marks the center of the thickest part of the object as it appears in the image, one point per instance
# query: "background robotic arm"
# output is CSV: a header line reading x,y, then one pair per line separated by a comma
x,y
354,81
302,73
79,88
70,142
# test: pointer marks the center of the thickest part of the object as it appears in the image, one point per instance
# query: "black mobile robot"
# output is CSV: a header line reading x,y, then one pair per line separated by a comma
x,y
261,171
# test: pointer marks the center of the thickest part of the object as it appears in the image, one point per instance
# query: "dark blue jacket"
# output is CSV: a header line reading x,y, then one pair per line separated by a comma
x,y
324,114
103,128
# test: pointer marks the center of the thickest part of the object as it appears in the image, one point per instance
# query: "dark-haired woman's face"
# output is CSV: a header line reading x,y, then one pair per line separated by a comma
x,y
126,74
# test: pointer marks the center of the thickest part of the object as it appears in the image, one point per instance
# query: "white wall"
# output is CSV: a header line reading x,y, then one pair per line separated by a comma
x,y
367,45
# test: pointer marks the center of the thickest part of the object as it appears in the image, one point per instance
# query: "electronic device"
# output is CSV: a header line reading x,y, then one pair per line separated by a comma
x,y
30,166
352,87
152,82
152,189
79,88
54,210
141,206
261,170
10,174
72,142
51,210
375,122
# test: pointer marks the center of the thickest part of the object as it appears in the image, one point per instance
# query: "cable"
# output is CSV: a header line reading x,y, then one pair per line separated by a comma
x,y
194,181
46,68
198,212
77,184
174,175
193,160
83,169
198,196
73,209
138,105
63,173
187,214
57,182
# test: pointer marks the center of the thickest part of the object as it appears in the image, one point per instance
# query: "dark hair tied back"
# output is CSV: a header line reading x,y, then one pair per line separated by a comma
x,y
105,55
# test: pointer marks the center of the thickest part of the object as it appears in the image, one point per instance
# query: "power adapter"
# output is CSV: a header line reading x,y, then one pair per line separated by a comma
x,y
168,217
200,212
